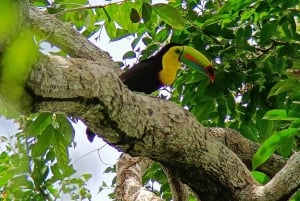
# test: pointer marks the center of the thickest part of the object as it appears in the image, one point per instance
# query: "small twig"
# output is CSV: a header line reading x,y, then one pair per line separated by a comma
x,y
98,150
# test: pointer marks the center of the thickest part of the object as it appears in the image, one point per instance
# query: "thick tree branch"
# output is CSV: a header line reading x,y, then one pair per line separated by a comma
x,y
245,149
147,126
136,124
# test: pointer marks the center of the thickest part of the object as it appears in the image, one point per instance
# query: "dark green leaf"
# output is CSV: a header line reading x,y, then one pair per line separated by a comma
x,y
147,41
203,109
249,131
129,55
268,30
134,16
110,170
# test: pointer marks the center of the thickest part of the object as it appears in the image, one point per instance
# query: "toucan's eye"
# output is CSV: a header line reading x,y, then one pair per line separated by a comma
x,y
177,51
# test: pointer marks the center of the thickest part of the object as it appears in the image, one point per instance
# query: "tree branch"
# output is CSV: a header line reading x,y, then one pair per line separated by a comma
x,y
64,36
129,179
136,124
147,126
245,149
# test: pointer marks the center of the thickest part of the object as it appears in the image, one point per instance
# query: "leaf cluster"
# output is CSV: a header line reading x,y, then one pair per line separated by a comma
x,y
41,170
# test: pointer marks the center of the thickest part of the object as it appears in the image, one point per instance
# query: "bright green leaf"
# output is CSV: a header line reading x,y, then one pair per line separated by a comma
x,y
283,86
66,128
270,146
279,114
167,13
37,127
162,35
260,177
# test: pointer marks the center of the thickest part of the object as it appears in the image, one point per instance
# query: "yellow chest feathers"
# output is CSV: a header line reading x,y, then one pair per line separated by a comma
x,y
170,65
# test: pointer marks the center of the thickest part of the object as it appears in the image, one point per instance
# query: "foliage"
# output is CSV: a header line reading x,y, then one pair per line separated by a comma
x,y
254,46
41,169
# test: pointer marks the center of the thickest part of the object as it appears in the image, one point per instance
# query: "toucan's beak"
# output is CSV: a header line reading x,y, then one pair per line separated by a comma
x,y
196,60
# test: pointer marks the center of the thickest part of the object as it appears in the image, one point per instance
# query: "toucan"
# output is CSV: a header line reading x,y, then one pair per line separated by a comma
x,y
160,70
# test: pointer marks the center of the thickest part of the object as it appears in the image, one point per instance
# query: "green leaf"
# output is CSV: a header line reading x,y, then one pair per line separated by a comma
x,y
162,35
79,18
110,170
289,26
122,17
204,108
268,30
270,145
146,12
129,55
167,13
134,16
66,128
283,86
249,131
280,114
216,19
260,177
60,146
111,29
40,172
90,21
149,51
42,144
38,126
286,147
120,34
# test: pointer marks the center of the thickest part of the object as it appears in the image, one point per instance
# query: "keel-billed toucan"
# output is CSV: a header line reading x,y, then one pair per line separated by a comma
x,y
161,69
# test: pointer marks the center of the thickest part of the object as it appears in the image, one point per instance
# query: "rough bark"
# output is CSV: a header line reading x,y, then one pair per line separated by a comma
x,y
129,183
202,158
180,191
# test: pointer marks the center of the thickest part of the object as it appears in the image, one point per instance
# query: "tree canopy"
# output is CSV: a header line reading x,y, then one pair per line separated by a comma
x,y
254,46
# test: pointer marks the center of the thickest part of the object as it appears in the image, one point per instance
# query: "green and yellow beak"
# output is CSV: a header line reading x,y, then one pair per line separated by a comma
x,y
196,60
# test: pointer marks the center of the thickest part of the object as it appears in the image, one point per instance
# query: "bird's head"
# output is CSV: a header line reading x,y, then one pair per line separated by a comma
x,y
192,58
